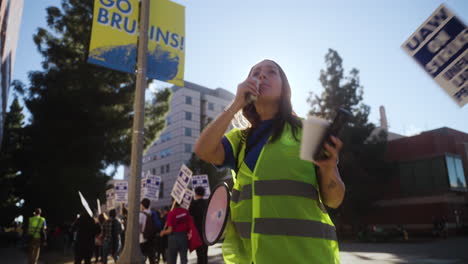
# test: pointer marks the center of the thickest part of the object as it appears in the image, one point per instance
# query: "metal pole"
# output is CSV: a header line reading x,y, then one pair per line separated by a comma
x,y
131,253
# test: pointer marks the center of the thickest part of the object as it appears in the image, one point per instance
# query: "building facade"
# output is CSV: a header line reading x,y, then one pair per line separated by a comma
x,y
10,20
429,183
191,108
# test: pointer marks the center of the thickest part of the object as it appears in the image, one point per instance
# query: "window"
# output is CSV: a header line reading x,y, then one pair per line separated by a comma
x,y
167,167
162,169
455,172
188,100
153,171
188,148
188,116
188,132
165,153
168,120
166,137
210,106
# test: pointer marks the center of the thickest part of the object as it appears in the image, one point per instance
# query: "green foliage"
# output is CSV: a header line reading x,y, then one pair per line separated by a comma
x,y
362,165
11,155
81,117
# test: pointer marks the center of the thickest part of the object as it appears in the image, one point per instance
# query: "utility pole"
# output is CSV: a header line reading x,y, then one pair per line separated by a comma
x,y
131,253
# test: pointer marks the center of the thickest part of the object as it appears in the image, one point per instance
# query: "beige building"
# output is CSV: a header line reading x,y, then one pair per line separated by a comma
x,y
10,20
191,108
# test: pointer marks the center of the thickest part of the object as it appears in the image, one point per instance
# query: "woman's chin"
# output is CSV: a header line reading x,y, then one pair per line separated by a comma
x,y
265,99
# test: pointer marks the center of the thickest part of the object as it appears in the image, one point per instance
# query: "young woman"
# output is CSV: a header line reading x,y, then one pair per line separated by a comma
x,y
277,212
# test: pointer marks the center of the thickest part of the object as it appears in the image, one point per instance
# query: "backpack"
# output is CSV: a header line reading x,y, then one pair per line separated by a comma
x,y
150,230
157,220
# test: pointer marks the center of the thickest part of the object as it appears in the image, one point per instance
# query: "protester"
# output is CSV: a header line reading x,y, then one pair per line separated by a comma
x,y
197,210
146,243
162,250
124,219
178,226
277,204
99,239
86,230
112,229
37,225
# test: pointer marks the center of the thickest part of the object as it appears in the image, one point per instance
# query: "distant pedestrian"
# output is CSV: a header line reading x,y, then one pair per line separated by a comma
x,y
112,229
86,230
178,226
147,240
124,219
99,240
197,211
37,225
162,250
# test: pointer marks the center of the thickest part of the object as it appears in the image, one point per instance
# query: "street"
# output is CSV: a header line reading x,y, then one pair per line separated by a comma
x,y
449,251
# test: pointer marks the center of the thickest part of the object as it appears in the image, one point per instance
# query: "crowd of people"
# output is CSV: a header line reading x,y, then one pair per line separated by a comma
x,y
164,234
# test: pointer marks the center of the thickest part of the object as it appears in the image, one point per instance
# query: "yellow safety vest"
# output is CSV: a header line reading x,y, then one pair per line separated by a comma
x,y
36,223
277,215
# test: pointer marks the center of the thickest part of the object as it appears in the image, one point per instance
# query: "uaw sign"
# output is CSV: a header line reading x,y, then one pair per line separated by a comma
x,y
121,191
187,199
150,187
110,199
440,47
181,183
202,180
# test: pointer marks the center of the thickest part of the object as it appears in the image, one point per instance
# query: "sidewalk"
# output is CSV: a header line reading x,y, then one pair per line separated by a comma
x,y
438,251
15,255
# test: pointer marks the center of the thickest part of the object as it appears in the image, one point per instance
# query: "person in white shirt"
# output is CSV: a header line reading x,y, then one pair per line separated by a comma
x,y
146,246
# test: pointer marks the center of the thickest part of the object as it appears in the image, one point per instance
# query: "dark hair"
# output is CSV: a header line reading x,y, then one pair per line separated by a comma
x,y
37,211
200,191
166,208
146,203
113,213
285,113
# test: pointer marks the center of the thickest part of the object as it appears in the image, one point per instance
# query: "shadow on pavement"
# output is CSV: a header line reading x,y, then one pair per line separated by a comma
x,y
452,250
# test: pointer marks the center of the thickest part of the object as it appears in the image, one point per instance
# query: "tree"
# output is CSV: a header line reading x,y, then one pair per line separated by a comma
x,y
198,166
362,163
11,155
81,117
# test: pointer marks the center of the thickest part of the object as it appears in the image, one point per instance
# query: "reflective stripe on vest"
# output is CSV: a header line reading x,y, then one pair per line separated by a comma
x,y
276,187
286,187
287,227
243,228
294,227
245,194
289,187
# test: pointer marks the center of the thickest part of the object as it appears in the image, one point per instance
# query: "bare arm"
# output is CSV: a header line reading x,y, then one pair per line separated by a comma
x,y
166,232
208,146
331,186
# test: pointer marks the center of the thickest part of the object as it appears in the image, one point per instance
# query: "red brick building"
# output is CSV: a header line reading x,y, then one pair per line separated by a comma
x,y
429,182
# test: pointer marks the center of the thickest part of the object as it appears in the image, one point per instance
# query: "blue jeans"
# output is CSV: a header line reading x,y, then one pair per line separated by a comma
x,y
112,248
177,243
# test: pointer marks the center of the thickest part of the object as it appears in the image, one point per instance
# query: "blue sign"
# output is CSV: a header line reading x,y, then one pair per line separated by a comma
x,y
440,46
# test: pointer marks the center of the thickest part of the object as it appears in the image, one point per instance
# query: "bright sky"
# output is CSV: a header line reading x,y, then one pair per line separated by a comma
x,y
224,39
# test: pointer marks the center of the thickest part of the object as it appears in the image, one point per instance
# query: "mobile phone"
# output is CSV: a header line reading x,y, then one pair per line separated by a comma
x,y
341,118
250,98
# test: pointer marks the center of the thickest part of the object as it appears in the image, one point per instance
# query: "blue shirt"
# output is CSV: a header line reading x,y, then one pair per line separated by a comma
x,y
255,143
